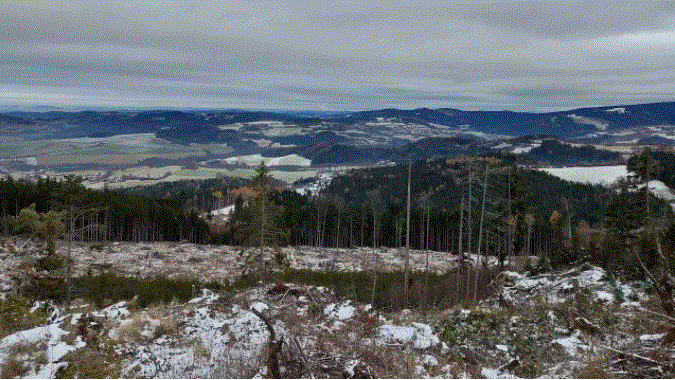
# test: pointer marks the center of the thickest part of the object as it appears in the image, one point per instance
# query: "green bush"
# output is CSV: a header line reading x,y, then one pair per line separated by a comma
x,y
443,289
107,288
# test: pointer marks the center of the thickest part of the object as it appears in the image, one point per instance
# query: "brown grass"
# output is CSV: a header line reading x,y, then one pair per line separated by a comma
x,y
132,330
167,326
13,368
20,349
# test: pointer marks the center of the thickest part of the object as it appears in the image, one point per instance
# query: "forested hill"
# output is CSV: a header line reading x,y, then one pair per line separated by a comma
x,y
446,181
389,126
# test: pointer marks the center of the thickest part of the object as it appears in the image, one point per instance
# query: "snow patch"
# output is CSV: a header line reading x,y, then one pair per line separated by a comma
x,y
419,334
588,121
572,344
341,311
255,159
595,175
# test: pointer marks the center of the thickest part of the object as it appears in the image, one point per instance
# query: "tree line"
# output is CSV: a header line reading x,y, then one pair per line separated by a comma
x,y
98,215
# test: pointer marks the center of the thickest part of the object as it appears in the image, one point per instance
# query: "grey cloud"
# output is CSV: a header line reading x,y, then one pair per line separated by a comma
x,y
341,55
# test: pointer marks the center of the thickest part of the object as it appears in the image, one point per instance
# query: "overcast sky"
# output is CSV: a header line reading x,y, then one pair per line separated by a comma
x,y
337,55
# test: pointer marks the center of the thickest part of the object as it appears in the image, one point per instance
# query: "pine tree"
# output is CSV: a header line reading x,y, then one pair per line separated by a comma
x,y
261,231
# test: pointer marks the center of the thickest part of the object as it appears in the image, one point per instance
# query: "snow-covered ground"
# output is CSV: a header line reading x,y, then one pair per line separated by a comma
x,y
255,159
134,139
595,175
224,263
606,176
321,181
525,149
577,323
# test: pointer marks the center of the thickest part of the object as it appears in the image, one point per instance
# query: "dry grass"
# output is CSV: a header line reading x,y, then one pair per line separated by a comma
x,y
41,358
90,364
21,349
166,326
592,370
13,368
131,331
199,349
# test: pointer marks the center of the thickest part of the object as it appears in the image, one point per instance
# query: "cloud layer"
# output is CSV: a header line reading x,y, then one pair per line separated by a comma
x,y
337,55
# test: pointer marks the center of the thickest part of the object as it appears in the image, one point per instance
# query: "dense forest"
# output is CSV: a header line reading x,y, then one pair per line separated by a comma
x,y
101,215
526,211
457,205
555,153
666,167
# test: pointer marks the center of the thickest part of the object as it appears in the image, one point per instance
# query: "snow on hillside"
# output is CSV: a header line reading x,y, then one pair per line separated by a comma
x,y
570,324
255,159
227,210
594,175
133,139
607,175
588,121
525,149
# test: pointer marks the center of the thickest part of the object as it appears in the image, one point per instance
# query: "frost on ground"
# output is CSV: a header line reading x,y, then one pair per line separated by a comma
x,y
578,322
223,263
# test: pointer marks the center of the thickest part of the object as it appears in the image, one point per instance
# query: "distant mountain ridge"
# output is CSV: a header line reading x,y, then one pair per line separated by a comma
x,y
565,124
367,136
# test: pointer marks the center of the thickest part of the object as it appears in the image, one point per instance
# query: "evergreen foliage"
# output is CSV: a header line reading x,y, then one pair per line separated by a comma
x,y
130,217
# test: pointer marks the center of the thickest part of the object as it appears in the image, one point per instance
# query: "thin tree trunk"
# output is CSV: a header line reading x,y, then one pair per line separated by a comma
x,y
407,241
70,255
480,233
510,237
470,206
426,249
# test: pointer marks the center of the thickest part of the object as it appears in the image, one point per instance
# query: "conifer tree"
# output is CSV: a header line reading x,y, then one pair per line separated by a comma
x,y
261,234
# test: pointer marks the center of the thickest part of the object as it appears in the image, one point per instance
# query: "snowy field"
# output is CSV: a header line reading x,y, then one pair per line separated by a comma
x,y
568,324
606,176
222,263
255,159
594,175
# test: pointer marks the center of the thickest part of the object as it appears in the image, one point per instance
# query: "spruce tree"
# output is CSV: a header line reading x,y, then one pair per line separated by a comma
x,y
260,234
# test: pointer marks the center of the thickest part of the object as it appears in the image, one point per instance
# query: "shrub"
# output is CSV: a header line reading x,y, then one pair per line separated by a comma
x,y
165,327
444,290
107,288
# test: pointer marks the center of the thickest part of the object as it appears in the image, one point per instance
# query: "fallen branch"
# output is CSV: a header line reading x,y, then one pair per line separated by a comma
x,y
671,319
274,348
633,356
